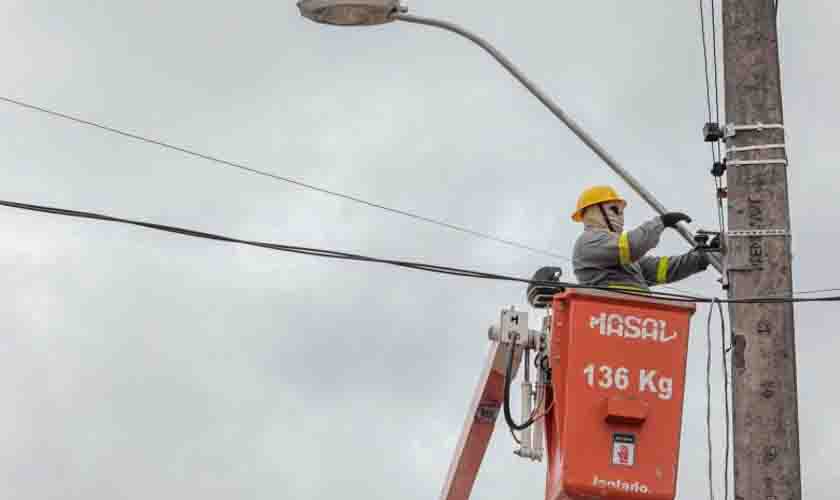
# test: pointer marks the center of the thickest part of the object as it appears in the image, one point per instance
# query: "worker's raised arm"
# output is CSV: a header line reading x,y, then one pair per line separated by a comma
x,y
662,270
635,244
607,249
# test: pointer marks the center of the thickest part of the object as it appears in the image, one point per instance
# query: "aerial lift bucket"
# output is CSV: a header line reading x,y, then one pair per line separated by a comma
x,y
618,378
613,383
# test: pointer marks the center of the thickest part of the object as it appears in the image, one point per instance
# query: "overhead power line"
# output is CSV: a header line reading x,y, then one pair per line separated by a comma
x,y
420,266
705,60
304,185
715,147
715,66
240,166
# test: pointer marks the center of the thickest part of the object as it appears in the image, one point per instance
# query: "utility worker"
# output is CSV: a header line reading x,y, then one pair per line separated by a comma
x,y
606,255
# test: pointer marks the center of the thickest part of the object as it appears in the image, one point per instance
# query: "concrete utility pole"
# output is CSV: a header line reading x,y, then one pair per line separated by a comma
x,y
766,423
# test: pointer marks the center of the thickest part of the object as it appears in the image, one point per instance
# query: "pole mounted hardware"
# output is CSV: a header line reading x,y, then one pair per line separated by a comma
x,y
718,168
712,132
738,163
702,237
731,129
741,233
759,147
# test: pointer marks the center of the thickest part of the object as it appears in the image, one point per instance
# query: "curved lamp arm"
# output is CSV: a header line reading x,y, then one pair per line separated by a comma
x,y
532,87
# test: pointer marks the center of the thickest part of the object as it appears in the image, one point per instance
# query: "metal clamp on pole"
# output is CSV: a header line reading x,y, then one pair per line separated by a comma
x,y
754,148
730,129
741,233
737,163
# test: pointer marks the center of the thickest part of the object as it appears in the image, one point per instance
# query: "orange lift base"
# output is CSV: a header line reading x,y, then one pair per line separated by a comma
x,y
618,379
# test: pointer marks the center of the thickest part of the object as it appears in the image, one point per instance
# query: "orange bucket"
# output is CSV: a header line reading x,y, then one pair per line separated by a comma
x,y
618,379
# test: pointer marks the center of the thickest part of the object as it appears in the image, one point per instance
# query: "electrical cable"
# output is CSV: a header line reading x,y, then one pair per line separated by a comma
x,y
448,270
715,147
535,415
513,435
213,159
709,402
287,248
716,154
805,292
321,252
240,166
545,412
537,403
705,62
541,362
508,379
723,351
715,66
718,180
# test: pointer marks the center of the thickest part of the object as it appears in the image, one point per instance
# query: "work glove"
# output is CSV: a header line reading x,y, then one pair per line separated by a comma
x,y
672,218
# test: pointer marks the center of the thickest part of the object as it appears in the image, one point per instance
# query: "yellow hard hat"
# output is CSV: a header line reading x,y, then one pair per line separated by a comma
x,y
594,196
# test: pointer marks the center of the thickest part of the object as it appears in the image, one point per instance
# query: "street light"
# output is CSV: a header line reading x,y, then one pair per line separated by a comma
x,y
350,12
371,12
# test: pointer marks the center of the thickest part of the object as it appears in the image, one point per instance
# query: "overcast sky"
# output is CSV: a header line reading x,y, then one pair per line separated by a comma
x,y
141,365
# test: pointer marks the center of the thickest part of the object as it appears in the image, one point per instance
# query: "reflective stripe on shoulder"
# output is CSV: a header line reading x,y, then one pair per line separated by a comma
x,y
662,270
624,249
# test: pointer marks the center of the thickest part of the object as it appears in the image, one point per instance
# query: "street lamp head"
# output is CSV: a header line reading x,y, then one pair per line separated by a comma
x,y
350,12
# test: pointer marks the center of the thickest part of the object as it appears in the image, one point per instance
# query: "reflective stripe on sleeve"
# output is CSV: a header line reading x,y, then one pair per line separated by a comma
x,y
624,249
632,288
662,270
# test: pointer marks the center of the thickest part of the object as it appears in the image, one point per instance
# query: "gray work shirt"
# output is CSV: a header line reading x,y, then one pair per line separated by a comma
x,y
604,258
